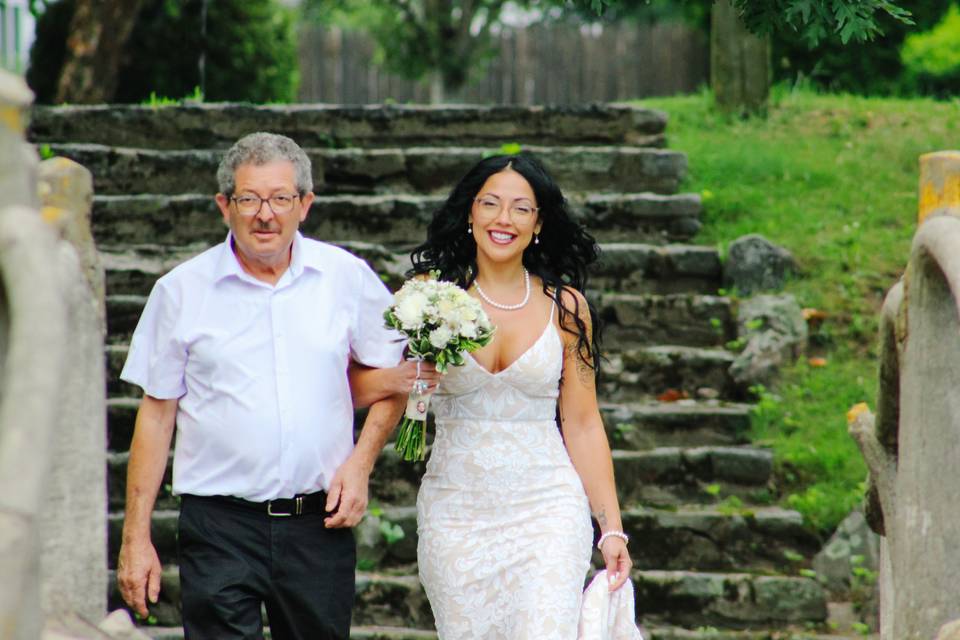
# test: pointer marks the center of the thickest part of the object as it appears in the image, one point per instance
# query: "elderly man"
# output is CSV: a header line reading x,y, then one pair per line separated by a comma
x,y
245,348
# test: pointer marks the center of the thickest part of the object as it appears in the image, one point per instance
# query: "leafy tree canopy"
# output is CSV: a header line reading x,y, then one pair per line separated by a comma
x,y
812,20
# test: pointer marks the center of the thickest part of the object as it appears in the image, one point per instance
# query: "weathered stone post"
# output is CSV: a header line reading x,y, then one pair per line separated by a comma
x,y
912,445
33,334
74,517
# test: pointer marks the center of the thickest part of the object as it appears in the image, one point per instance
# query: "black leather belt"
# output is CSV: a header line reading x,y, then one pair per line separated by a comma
x,y
299,505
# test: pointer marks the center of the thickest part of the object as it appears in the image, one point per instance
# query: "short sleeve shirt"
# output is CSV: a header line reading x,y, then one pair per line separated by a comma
x,y
260,371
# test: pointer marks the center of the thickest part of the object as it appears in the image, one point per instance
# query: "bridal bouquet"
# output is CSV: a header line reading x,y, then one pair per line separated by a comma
x,y
440,321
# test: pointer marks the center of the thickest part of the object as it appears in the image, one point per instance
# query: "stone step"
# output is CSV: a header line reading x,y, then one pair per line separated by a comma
x,y
643,319
399,221
646,268
125,170
381,601
393,481
631,269
629,321
713,633
662,477
356,633
218,125
654,370
700,475
689,537
677,598
633,426
731,600
640,426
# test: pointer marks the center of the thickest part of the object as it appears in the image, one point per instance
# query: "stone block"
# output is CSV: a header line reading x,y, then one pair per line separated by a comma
x,y
754,264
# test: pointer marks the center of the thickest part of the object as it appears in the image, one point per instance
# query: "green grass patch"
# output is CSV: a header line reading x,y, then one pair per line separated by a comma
x,y
834,180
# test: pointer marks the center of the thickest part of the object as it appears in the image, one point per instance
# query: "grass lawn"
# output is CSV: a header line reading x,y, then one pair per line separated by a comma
x,y
834,180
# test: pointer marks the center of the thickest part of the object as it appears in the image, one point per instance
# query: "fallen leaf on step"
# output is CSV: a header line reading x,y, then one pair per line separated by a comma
x,y
672,395
817,362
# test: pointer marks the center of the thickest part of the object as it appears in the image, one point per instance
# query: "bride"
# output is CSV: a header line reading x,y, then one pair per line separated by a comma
x,y
504,508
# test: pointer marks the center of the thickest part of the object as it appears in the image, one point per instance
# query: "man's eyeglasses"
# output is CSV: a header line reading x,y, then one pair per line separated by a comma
x,y
280,203
520,210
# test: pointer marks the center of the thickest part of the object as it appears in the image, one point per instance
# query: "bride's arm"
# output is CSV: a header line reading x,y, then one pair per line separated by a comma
x,y
368,385
586,442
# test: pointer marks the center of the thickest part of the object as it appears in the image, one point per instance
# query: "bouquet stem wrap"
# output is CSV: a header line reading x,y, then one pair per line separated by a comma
x,y
441,322
412,435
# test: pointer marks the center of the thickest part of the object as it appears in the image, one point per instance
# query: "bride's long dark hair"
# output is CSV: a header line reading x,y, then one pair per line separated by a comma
x,y
560,259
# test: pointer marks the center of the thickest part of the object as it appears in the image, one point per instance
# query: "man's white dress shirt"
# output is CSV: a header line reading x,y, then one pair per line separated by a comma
x,y
261,371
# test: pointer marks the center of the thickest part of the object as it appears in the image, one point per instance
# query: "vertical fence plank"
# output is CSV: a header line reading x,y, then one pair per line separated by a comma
x,y
556,64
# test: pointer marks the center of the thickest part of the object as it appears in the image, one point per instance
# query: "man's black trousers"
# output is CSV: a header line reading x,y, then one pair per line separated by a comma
x,y
234,558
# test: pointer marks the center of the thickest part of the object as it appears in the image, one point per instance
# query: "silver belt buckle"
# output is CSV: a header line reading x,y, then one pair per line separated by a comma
x,y
270,511
297,509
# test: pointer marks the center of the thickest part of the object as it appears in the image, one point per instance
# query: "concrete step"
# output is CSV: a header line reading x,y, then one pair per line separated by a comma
x,y
653,370
640,426
627,268
688,537
609,169
218,125
675,598
399,221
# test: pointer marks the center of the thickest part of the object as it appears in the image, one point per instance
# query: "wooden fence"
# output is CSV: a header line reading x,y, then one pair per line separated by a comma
x,y
554,64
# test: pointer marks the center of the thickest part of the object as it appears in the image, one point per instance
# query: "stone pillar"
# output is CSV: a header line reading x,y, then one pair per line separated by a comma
x,y
33,335
912,445
74,518
939,184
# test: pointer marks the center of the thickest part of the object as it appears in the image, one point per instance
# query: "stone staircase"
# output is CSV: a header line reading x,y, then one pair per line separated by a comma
x,y
714,558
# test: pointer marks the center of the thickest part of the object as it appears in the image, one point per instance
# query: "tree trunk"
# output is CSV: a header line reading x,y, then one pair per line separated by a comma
x,y
98,34
739,62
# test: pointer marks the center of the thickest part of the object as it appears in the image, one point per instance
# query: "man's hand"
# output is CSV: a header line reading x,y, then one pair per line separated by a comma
x,y
138,573
348,494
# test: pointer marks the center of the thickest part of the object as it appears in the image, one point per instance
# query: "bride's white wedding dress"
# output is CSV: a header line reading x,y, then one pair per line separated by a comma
x,y
504,524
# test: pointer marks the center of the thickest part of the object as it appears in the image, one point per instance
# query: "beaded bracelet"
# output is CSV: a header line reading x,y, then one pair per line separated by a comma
x,y
612,534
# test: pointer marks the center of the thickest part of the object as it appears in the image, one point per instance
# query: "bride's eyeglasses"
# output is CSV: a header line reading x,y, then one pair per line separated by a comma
x,y
520,210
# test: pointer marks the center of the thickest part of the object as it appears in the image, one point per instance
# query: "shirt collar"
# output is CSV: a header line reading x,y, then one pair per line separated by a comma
x,y
228,265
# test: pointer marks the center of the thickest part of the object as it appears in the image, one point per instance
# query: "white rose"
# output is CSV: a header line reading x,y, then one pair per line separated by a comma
x,y
468,329
440,337
410,310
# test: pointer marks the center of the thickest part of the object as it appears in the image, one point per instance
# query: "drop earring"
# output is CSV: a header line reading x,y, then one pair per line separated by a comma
x,y
536,238
469,229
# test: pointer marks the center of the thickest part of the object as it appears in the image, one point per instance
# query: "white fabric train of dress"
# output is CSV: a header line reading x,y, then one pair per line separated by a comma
x,y
504,524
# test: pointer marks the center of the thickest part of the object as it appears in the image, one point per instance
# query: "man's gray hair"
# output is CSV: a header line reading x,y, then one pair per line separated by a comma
x,y
263,148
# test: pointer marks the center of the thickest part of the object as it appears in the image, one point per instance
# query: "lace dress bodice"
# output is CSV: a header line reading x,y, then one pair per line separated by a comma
x,y
504,526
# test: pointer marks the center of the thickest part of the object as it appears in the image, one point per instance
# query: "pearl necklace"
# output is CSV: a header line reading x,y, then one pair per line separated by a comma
x,y
507,307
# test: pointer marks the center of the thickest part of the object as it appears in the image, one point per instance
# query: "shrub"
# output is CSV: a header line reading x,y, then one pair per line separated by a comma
x,y
250,46
932,59
871,68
